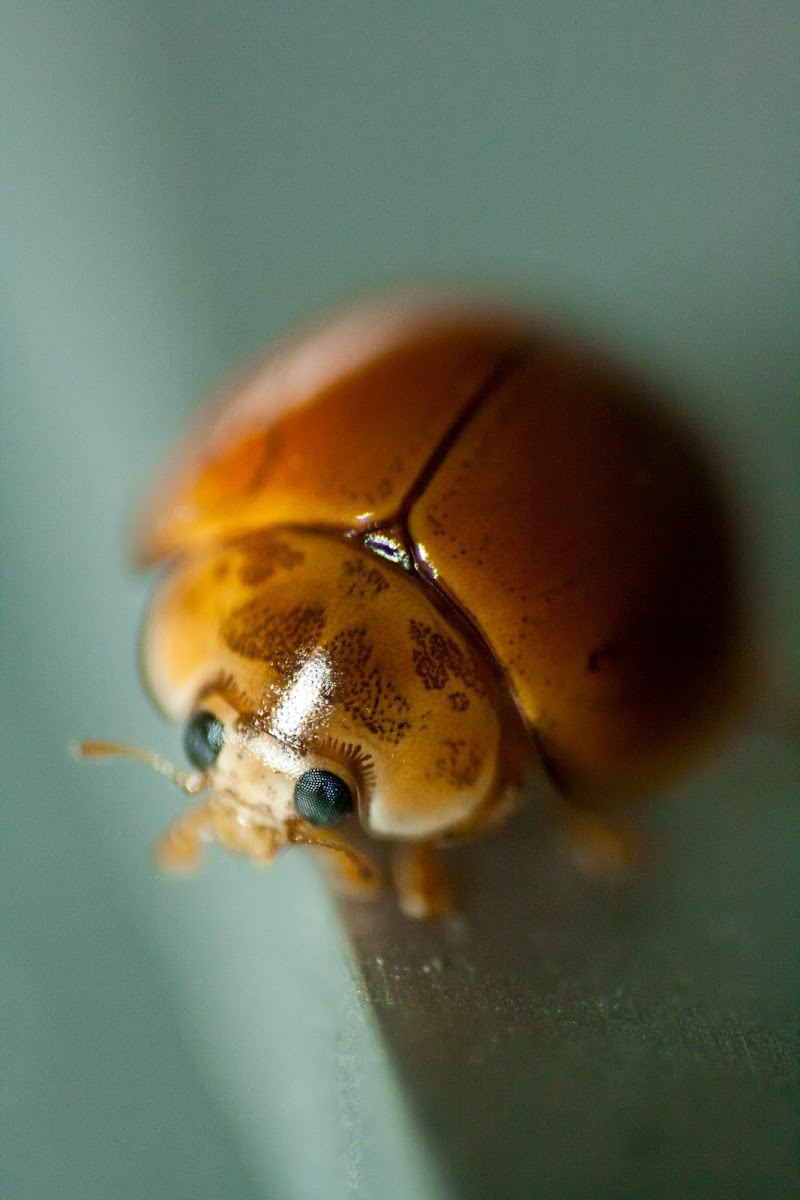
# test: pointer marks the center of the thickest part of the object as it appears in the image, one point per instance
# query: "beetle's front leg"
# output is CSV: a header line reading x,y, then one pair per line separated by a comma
x,y
349,872
182,847
425,888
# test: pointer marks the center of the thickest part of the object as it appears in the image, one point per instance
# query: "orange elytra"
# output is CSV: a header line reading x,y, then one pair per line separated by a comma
x,y
416,556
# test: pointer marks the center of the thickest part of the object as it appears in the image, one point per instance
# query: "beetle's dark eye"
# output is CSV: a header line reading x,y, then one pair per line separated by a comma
x,y
322,797
203,738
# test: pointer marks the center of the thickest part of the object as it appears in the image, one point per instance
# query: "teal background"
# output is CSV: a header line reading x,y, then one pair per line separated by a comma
x,y
178,184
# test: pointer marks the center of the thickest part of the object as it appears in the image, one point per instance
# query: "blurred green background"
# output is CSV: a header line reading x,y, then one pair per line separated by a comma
x,y
178,184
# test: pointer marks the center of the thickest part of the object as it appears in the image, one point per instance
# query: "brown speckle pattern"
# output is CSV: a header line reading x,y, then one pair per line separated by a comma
x,y
259,632
263,554
459,763
370,698
363,580
439,662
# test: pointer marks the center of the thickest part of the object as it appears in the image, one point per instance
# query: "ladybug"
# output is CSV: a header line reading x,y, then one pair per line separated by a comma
x,y
414,557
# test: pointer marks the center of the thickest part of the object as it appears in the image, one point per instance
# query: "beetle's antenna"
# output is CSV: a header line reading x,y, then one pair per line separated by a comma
x,y
190,782
365,866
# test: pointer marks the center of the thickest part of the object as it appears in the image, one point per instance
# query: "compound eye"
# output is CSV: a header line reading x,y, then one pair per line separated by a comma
x,y
322,797
203,739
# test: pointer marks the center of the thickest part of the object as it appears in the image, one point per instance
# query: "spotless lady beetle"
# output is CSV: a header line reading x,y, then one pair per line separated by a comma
x,y
412,558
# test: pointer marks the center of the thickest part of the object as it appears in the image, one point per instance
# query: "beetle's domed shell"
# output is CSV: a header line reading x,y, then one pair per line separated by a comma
x,y
567,516
329,428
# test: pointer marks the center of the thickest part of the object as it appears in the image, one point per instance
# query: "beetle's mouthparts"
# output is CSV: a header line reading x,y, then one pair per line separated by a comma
x,y
190,782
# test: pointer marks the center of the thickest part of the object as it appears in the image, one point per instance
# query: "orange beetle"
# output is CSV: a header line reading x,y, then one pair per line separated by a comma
x,y
415,556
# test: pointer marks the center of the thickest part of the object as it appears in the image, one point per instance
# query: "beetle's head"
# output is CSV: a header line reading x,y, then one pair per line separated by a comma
x,y
260,790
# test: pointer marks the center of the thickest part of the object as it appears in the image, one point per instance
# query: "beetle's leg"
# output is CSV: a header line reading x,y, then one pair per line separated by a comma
x,y
181,847
349,872
425,889
600,845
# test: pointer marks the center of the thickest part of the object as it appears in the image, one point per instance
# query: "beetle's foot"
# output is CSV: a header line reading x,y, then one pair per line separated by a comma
x,y
182,847
425,888
600,846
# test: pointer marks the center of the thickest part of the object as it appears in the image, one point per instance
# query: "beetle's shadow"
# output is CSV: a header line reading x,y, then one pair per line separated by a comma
x,y
568,1030
527,909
